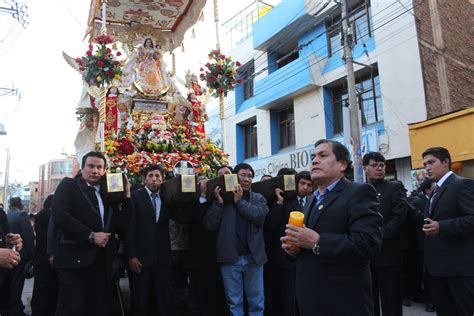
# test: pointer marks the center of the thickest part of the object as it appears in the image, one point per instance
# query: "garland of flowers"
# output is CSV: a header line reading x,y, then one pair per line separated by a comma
x,y
99,66
153,144
221,73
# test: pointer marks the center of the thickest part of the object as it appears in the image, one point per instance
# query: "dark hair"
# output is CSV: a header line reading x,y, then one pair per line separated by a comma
x,y
439,152
47,203
339,150
425,185
151,40
245,166
376,156
96,154
153,167
286,171
222,167
16,202
269,176
303,175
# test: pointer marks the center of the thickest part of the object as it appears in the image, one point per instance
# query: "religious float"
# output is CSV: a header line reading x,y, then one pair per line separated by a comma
x,y
132,108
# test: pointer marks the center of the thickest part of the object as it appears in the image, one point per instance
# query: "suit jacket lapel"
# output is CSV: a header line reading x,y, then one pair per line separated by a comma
x,y
148,205
84,188
307,207
320,208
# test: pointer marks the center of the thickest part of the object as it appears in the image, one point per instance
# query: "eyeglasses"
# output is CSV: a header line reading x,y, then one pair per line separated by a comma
x,y
244,175
380,165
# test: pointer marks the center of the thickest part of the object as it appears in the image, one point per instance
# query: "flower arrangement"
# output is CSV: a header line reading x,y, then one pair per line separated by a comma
x,y
151,143
221,73
100,66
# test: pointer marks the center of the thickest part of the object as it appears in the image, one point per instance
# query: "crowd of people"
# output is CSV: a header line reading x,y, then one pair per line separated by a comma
x,y
364,248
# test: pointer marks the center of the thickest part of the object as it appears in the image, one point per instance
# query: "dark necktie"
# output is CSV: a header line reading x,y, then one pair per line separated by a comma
x,y
433,195
302,203
153,200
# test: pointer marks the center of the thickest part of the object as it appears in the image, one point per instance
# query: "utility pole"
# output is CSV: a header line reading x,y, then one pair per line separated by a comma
x,y
18,12
353,106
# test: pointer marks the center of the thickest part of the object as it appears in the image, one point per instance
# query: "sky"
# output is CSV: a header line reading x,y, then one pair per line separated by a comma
x,y
41,124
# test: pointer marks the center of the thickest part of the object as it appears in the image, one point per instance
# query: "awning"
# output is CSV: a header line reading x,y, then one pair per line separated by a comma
x,y
165,19
454,131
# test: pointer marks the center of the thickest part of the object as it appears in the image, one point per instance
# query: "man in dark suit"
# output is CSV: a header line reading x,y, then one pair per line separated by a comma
x,y
84,240
342,233
45,289
9,258
283,276
418,206
20,223
386,266
449,240
147,245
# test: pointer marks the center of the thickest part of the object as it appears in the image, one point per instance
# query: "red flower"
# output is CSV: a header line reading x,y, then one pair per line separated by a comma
x,y
222,56
219,67
89,53
201,69
239,81
212,78
108,50
237,64
116,62
126,147
100,63
119,54
201,76
208,65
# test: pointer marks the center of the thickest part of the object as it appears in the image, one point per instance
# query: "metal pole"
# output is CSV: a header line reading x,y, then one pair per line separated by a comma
x,y
5,185
353,106
221,95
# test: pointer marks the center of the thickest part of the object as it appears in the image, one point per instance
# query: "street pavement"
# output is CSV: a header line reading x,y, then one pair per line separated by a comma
x,y
416,309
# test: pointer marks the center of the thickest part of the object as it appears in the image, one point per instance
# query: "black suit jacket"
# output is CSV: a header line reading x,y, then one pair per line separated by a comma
x,y
19,223
338,282
75,219
276,222
393,208
41,230
450,253
146,239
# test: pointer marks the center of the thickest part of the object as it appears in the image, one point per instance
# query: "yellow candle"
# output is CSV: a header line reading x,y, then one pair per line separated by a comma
x,y
297,219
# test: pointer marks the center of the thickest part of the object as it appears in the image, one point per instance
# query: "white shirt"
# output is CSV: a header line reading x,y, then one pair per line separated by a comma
x,y
158,202
443,178
302,198
99,200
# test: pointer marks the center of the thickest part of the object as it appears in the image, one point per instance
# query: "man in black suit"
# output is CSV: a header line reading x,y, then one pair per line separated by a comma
x,y
419,205
342,233
386,266
283,276
45,289
9,258
449,240
20,223
84,240
147,245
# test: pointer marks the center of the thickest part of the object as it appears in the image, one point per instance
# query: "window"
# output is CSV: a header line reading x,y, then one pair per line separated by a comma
x,y
368,97
250,139
359,22
247,73
285,59
286,128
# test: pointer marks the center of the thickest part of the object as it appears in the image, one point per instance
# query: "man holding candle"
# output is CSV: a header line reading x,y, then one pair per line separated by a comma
x,y
342,232
240,244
